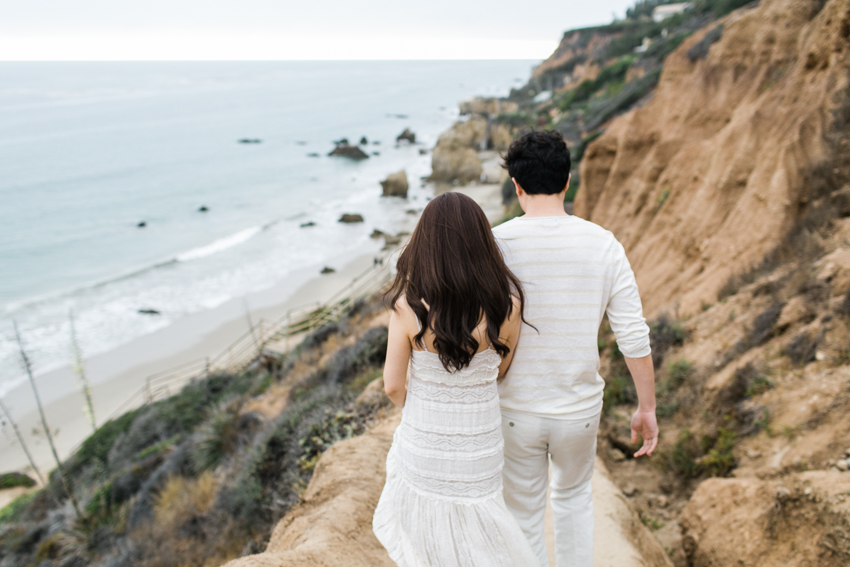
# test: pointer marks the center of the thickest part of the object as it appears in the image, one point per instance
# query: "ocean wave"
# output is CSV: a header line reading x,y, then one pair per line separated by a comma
x,y
220,244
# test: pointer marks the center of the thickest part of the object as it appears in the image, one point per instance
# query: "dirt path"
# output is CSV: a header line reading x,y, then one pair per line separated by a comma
x,y
333,524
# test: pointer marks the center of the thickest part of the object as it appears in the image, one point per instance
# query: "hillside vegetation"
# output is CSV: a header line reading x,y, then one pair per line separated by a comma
x,y
204,476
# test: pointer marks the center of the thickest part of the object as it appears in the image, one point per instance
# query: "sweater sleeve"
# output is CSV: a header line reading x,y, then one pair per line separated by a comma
x,y
625,313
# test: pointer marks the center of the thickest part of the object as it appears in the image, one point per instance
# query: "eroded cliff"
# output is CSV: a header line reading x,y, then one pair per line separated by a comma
x,y
744,140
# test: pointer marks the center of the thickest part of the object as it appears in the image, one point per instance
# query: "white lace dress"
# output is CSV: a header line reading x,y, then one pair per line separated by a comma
x,y
442,504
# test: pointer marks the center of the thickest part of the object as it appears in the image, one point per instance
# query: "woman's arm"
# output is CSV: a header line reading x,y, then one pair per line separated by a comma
x,y
398,354
509,333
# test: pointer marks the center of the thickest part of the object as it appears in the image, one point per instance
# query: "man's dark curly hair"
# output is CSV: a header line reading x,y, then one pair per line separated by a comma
x,y
540,162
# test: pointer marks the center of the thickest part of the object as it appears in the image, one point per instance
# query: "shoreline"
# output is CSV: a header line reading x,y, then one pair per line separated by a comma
x,y
118,374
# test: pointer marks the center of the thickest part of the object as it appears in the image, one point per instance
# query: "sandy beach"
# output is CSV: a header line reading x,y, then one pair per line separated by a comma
x,y
119,374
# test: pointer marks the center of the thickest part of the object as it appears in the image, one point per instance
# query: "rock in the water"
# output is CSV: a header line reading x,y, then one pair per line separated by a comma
x,y
148,312
327,270
377,233
423,152
203,209
376,153
395,185
250,141
350,218
406,135
142,224
343,149
412,211
308,223
363,141
313,154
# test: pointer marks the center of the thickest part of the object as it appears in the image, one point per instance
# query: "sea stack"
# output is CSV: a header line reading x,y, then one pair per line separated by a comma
x,y
406,135
344,149
395,185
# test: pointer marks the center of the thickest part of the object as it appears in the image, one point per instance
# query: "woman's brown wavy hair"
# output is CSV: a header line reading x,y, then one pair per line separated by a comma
x,y
452,262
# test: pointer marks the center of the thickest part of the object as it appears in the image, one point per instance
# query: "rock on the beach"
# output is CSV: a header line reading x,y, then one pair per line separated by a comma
x,y
148,312
395,185
406,135
344,149
327,270
363,141
377,233
350,218
455,163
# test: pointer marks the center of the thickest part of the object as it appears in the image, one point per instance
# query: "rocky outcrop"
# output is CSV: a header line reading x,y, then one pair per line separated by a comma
x,y
803,519
733,151
487,106
455,158
406,136
395,185
344,149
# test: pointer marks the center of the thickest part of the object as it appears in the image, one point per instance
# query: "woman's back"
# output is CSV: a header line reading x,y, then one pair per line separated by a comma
x,y
442,503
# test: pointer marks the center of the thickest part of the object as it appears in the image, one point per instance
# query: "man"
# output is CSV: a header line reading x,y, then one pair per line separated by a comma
x,y
573,272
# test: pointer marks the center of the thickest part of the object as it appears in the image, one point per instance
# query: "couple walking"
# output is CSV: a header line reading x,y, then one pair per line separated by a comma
x,y
487,409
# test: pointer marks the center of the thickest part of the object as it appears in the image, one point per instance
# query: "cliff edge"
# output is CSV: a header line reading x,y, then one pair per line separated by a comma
x,y
743,141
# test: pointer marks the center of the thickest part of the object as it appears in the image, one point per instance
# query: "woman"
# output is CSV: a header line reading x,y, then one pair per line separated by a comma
x,y
456,316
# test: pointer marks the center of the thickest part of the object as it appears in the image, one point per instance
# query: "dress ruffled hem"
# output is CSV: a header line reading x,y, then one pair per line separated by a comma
x,y
420,531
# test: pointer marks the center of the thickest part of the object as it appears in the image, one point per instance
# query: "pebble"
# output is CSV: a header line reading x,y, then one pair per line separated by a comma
x,y
661,501
753,454
630,489
842,465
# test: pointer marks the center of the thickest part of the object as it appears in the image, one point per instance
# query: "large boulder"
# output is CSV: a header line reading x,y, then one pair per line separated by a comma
x,y
455,158
455,164
801,519
395,185
344,149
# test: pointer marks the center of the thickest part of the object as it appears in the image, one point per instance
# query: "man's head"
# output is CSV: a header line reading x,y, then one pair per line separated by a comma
x,y
539,162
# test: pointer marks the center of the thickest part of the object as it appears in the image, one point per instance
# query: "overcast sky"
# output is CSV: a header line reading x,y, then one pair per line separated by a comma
x,y
284,29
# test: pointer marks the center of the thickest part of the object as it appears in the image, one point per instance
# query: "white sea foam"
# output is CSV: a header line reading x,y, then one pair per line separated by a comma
x,y
220,244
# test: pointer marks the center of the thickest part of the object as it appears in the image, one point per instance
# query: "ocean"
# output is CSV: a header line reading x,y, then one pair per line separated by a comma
x,y
90,150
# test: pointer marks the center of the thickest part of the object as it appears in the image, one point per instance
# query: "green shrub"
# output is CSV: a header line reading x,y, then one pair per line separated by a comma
x,y
679,372
217,437
14,480
664,334
618,391
681,459
12,512
720,460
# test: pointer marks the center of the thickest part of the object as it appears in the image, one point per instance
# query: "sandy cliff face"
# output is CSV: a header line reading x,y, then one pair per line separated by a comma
x,y
733,152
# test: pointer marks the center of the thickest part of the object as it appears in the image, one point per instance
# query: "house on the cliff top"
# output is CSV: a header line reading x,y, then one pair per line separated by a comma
x,y
661,13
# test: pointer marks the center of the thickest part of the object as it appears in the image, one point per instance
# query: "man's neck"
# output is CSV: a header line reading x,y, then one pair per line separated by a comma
x,y
543,206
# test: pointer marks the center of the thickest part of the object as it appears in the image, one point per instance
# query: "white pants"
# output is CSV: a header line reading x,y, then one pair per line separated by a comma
x,y
531,442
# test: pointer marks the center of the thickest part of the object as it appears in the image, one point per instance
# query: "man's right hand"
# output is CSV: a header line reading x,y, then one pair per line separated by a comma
x,y
645,424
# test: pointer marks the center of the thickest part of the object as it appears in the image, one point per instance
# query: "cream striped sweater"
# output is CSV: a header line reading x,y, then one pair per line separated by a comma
x,y
572,272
